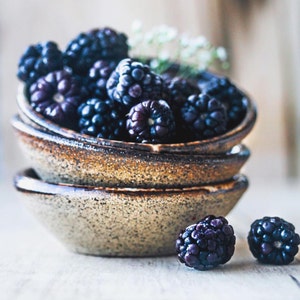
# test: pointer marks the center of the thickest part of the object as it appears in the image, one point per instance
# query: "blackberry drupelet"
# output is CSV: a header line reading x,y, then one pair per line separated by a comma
x,y
57,97
273,240
39,60
203,116
97,78
102,118
88,47
151,121
206,244
133,82
225,91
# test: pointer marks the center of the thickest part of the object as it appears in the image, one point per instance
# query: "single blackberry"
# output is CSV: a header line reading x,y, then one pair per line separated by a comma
x,y
39,60
273,240
57,97
133,82
97,78
180,89
206,244
88,47
151,121
102,118
225,91
203,116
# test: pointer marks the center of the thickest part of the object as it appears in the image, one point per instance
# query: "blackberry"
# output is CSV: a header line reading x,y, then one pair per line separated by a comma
x,y
203,116
88,47
180,89
225,91
97,78
151,121
57,97
204,76
208,243
102,118
39,60
273,240
133,82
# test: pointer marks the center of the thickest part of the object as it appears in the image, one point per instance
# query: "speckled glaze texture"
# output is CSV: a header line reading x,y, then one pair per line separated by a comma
x,y
124,221
61,160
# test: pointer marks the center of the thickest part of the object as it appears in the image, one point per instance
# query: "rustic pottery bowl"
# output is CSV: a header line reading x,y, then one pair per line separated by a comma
x,y
60,159
219,144
123,221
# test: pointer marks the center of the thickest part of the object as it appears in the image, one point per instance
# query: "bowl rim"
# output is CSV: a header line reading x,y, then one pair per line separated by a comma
x,y
237,133
19,125
28,181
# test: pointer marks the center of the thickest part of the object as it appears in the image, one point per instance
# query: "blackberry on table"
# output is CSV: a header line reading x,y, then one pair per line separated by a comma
x,y
225,91
272,240
88,47
57,97
38,60
203,116
151,121
208,243
97,78
133,82
102,119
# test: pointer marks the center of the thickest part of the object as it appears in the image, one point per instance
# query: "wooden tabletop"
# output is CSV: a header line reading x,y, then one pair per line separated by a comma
x,y
34,265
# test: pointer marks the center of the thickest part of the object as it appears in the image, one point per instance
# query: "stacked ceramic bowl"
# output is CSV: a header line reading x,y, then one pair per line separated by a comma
x,y
114,198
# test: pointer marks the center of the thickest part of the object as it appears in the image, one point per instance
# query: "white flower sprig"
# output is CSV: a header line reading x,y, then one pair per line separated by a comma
x,y
163,45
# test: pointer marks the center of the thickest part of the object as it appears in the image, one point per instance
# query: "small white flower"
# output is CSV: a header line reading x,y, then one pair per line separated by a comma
x,y
221,53
171,34
154,63
149,37
205,57
184,40
200,42
164,55
165,44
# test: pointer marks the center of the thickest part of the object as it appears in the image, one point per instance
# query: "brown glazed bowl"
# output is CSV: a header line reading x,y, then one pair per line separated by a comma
x,y
123,221
60,159
219,144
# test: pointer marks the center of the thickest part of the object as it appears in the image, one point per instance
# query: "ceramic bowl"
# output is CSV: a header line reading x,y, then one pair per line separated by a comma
x,y
219,144
123,221
59,159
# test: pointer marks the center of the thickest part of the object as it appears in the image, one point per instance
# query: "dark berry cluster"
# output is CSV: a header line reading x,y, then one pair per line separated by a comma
x,y
133,81
229,95
88,47
204,116
57,96
272,240
151,121
211,242
206,244
96,88
38,60
102,118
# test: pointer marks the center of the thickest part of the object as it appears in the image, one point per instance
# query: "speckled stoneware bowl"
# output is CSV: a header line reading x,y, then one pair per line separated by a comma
x,y
219,144
123,221
59,159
